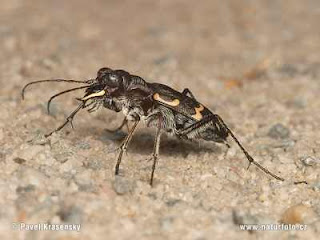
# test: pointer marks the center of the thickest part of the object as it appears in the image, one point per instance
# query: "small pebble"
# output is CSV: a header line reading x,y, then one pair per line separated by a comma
x,y
84,178
83,145
162,60
94,164
173,202
288,69
19,160
316,187
28,152
297,102
63,156
71,215
263,197
240,217
1,134
27,188
310,161
2,156
300,213
312,70
31,176
279,131
38,138
166,223
285,143
122,185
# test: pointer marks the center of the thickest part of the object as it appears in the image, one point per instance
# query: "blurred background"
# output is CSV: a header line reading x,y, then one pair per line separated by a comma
x,y
193,43
255,62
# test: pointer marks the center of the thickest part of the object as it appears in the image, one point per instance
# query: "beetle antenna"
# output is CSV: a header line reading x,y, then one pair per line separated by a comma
x,y
52,80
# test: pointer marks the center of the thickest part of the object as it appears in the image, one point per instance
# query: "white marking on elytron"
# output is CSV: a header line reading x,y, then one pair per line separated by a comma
x,y
198,114
173,103
96,94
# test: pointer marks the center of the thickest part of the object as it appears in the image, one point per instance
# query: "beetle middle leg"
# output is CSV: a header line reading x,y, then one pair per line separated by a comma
x,y
124,145
156,147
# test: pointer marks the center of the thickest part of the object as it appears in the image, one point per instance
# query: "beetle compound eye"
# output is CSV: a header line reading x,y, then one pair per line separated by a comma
x,y
114,80
114,77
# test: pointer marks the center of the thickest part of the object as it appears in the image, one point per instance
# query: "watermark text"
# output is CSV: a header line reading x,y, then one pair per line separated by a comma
x,y
21,226
273,227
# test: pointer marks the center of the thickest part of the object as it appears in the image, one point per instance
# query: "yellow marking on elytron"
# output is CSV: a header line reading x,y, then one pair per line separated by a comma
x,y
198,114
173,103
96,94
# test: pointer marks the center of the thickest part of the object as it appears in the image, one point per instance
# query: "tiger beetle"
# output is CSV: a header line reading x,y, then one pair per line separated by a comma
x,y
157,105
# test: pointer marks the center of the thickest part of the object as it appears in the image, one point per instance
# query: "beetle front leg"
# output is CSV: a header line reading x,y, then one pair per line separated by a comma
x,y
68,120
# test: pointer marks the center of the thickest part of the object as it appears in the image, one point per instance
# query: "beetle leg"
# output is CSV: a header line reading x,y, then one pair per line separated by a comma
x,y
124,146
198,127
156,147
216,120
250,159
68,120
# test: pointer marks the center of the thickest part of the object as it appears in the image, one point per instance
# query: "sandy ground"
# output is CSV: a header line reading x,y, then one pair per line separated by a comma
x,y
255,63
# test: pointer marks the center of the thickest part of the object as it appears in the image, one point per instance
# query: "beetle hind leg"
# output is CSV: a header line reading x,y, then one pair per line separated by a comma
x,y
198,128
